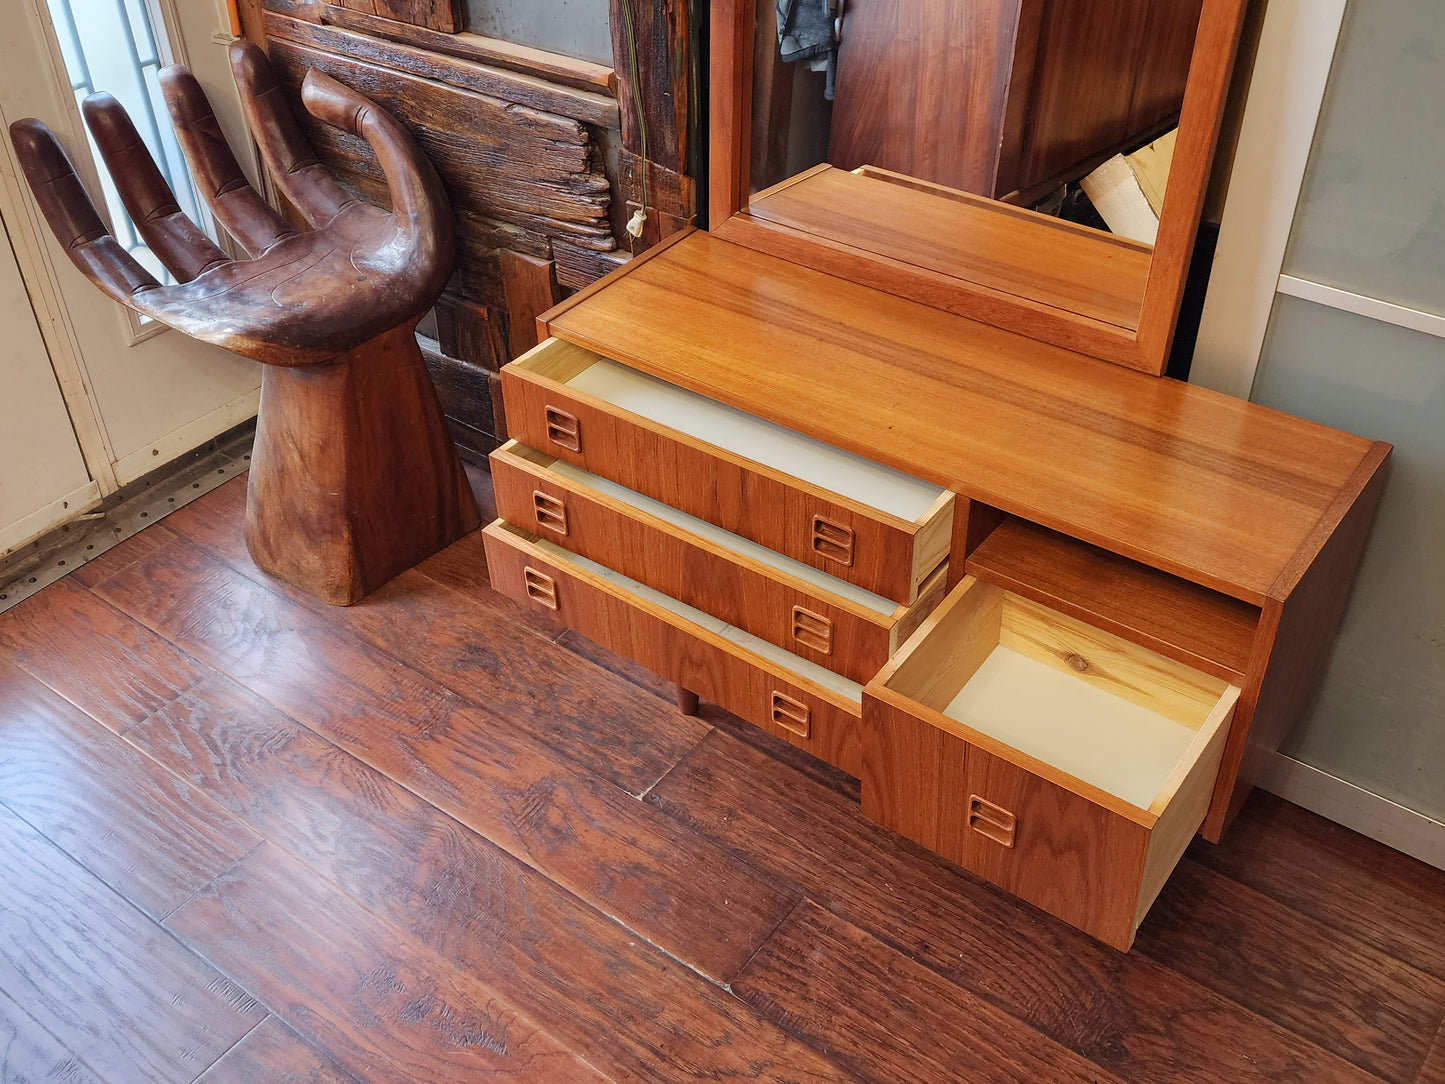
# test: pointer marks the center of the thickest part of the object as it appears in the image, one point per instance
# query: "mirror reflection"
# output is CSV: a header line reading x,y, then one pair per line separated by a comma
x,y
1067,107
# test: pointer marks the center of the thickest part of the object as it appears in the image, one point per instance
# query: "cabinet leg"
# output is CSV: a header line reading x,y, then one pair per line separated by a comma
x,y
686,701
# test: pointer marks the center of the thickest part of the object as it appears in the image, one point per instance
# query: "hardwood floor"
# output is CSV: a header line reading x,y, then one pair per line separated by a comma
x,y
247,837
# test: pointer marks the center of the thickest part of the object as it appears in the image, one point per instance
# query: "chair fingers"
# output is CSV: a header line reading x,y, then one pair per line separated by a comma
x,y
249,218
418,200
177,241
72,216
298,173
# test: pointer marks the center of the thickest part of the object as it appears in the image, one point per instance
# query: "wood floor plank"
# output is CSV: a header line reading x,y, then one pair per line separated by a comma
x,y
889,1019
462,566
1433,1071
626,669
472,642
108,666
1125,1012
138,545
29,1053
1324,870
271,1053
638,1013
344,980
1339,993
545,692
147,834
115,988
649,872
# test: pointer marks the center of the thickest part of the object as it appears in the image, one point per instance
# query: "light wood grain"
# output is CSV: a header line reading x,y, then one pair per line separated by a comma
x,y
1200,628
1183,803
740,495
1147,348
1018,253
1296,633
1109,662
1218,491
739,588
1074,849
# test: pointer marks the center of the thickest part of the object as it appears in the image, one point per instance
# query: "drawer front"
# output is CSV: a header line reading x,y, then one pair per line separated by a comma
x,y
868,548
1060,851
675,648
844,637
1052,847
1064,764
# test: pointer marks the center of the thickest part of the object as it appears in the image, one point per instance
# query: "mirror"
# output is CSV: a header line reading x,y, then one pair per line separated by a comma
x,y
989,97
969,148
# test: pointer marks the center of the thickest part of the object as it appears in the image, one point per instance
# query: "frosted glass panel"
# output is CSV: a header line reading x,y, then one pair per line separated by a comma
x,y
1372,215
1380,720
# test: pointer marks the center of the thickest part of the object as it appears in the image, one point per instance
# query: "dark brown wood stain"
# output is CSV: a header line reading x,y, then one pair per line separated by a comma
x,y
152,837
272,1053
457,879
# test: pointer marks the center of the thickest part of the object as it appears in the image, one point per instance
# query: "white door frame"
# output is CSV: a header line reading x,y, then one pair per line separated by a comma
x,y
1286,98
196,32
1286,94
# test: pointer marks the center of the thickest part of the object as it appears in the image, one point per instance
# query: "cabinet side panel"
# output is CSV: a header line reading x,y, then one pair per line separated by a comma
x,y
1296,635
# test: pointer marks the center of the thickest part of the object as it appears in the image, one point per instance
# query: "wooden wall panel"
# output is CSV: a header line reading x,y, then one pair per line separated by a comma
x,y
532,148
664,130
510,166
444,15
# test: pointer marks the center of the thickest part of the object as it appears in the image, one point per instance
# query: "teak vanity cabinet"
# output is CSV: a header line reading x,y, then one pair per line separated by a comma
x,y
756,460
1180,546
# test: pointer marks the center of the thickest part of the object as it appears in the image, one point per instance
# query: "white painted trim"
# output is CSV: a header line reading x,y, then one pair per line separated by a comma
x,y
28,237
27,530
1296,51
1427,323
187,437
1344,803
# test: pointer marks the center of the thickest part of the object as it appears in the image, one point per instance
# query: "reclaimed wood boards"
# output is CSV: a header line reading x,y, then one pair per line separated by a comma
x,y
524,174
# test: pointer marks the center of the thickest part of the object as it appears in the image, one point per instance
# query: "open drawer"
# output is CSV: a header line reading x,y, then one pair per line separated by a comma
x,y
1062,763
797,700
861,522
836,624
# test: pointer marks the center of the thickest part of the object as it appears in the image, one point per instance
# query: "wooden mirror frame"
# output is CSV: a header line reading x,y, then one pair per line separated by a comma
x,y
1145,349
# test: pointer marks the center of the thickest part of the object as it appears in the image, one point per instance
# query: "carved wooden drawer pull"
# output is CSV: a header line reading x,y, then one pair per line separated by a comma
x,y
992,821
791,715
813,630
833,541
540,587
551,513
563,429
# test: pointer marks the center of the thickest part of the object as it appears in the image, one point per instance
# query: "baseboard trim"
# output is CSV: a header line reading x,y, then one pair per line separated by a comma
x,y
1356,808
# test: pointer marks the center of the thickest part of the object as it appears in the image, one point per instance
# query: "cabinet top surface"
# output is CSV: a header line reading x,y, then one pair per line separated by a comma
x,y
1215,489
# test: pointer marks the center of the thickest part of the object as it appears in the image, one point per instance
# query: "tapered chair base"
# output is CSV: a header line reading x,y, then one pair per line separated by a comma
x,y
354,477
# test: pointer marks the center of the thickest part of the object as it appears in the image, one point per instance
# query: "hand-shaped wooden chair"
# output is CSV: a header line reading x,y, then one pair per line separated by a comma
x,y
353,477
